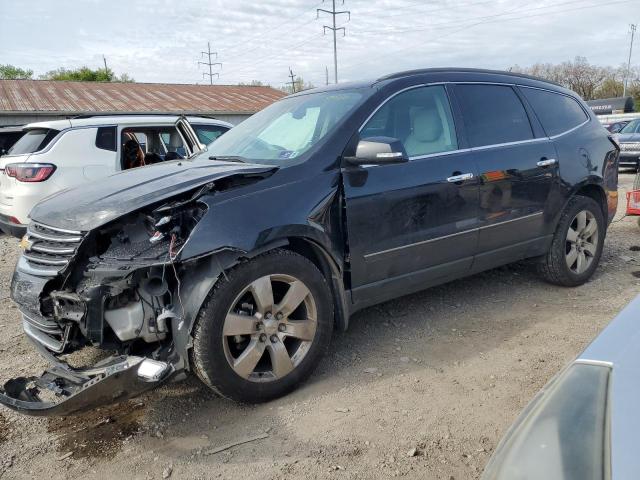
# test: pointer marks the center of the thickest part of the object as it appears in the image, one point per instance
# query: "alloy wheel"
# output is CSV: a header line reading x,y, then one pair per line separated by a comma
x,y
269,328
582,242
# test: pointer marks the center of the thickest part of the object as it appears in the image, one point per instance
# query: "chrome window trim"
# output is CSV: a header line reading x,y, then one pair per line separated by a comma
x,y
393,95
507,144
439,154
588,119
469,149
430,240
570,130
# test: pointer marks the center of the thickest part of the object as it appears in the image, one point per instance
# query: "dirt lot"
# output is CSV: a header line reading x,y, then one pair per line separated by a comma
x,y
444,371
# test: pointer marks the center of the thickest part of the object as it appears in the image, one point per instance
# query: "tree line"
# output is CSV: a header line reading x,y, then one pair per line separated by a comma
x,y
589,81
81,74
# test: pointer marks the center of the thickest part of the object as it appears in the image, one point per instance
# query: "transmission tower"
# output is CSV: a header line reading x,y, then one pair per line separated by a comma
x,y
626,77
334,29
210,64
293,81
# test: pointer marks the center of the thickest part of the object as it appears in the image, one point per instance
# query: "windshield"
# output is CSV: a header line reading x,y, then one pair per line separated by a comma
x,y
33,141
285,130
633,127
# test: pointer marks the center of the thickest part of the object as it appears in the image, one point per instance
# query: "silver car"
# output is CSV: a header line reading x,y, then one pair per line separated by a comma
x,y
582,425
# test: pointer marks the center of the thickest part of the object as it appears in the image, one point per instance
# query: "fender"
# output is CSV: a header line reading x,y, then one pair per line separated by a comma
x,y
200,275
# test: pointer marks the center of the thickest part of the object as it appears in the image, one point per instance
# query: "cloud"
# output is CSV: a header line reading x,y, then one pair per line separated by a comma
x,y
161,41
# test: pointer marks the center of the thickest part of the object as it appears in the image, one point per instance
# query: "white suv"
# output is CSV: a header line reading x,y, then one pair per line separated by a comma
x,y
59,154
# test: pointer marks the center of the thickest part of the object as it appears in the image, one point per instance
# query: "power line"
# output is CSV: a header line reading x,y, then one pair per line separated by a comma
x,y
626,77
275,29
209,63
493,20
456,22
335,29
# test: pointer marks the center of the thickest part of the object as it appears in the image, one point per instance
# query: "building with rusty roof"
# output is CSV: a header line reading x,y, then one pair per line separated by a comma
x,y
26,101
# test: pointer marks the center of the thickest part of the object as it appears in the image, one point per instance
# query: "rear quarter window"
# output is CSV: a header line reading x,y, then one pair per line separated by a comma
x,y
33,141
558,113
106,138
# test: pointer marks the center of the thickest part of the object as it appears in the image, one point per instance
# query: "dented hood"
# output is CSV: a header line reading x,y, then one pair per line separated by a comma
x,y
91,205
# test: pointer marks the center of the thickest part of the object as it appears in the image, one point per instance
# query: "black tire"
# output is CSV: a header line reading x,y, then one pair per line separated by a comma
x,y
553,266
208,358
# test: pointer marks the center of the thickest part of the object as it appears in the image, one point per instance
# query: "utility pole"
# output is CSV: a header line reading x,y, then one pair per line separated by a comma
x,y
626,77
292,82
209,63
326,75
105,63
335,29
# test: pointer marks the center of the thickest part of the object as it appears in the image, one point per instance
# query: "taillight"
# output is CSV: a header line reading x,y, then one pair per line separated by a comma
x,y
29,172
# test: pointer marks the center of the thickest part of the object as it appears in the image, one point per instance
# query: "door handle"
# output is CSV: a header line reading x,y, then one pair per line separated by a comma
x,y
460,178
545,162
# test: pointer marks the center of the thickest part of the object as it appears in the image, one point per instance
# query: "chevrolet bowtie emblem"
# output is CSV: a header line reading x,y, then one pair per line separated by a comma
x,y
25,243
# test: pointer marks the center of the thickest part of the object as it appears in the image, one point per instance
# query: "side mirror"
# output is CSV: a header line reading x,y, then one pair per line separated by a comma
x,y
378,151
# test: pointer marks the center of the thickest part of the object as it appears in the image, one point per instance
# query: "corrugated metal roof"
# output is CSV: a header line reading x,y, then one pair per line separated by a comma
x,y
47,96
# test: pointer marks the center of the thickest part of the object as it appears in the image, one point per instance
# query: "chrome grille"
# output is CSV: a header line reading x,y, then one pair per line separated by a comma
x,y
50,249
630,147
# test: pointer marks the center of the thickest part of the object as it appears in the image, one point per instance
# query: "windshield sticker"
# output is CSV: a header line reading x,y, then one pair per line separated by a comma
x,y
286,154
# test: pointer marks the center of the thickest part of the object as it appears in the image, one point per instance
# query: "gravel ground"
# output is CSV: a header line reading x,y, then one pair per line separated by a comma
x,y
420,387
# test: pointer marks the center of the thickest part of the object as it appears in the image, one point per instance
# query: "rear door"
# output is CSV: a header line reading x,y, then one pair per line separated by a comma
x,y
518,169
103,159
412,224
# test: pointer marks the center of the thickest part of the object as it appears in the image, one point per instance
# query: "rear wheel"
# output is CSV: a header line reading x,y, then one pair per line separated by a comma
x,y
264,327
577,244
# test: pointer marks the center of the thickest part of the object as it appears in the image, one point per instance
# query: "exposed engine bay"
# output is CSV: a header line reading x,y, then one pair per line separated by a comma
x,y
118,288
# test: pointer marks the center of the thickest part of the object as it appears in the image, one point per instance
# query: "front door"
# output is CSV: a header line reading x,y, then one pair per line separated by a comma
x,y
412,224
518,168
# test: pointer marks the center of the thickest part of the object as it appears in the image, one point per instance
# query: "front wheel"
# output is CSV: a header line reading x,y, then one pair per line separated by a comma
x,y
264,328
577,244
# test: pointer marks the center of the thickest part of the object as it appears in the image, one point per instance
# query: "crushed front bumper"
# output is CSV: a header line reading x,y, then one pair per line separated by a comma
x,y
113,380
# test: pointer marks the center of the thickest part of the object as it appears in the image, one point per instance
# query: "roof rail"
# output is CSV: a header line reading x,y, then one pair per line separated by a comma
x,y
408,73
153,114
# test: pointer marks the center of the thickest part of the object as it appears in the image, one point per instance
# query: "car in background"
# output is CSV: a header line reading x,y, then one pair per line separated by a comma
x,y
615,127
8,136
237,264
629,140
59,154
584,423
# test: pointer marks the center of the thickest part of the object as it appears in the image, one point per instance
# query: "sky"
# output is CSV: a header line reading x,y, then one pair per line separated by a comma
x,y
162,40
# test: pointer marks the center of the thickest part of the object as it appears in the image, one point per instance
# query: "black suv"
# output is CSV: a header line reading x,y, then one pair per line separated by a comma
x,y
239,263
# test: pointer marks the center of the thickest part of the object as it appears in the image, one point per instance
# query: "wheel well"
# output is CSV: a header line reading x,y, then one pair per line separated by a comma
x,y
331,271
596,193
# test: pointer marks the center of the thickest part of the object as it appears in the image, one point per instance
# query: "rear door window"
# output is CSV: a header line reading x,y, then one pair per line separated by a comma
x,y
493,114
558,113
33,141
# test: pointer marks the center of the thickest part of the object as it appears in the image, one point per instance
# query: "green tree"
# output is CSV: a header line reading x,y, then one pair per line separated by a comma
x,y
82,74
9,72
86,74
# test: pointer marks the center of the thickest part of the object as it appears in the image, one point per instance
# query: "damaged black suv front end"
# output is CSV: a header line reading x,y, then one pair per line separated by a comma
x,y
115,285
